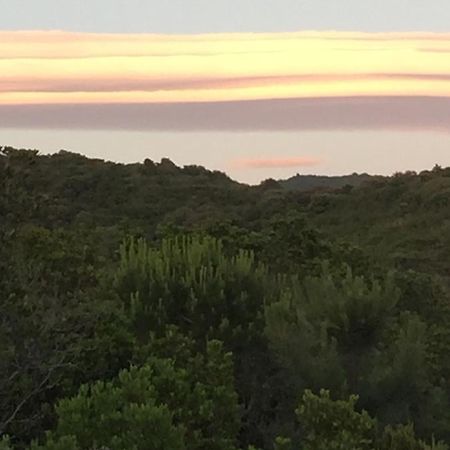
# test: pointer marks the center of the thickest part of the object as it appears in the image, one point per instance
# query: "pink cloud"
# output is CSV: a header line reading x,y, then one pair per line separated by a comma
x,y
117,84
434,50
275,163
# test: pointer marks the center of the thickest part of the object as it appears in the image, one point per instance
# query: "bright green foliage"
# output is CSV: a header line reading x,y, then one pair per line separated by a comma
x,y
5,444
282,444
200,391
190,282
167,404
403,438
119,415
334,425
63,443
193,283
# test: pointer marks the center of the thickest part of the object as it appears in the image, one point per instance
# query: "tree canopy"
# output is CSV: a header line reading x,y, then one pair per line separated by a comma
x,y
149,306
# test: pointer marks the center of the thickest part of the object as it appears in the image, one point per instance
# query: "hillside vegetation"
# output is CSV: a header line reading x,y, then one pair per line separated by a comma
x,y
405,218
153,307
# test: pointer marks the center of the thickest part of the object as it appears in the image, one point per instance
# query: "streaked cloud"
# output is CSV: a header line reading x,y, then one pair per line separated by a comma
x,y
39,67
117,84
275,162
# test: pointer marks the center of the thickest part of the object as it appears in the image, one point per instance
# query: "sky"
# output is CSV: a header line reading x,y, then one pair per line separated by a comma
x,y
223,16
258,89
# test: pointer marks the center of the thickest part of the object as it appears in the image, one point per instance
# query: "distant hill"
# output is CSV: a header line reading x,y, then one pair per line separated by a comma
x,y
315,182
404,219
67,188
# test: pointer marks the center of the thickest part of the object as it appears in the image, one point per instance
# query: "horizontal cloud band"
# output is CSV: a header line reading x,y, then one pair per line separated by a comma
x,y
112,85
348,113
275,162
40,67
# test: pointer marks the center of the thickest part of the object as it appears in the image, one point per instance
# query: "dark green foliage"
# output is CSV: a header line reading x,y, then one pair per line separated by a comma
x,y
69,188
287,243
336,424
323,330
403,438
401,220
228,305
52,334
350,337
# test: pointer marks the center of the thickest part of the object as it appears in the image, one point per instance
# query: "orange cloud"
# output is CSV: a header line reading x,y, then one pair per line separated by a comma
x,y
39,67
275,163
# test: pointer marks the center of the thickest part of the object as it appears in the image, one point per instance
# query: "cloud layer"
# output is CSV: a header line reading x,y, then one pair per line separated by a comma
x,y
38,67
233,82
341,113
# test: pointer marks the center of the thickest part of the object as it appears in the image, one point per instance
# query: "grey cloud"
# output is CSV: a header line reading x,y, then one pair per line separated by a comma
x,y
342,113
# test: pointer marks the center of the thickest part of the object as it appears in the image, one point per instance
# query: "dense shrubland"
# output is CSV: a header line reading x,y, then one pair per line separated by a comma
x,y
149,306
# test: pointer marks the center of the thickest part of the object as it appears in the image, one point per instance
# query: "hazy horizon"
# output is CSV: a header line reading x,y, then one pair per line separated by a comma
x,y
267,92
333,157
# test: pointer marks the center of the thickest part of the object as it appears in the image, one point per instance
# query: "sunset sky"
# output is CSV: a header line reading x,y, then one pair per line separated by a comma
x,y
255,88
